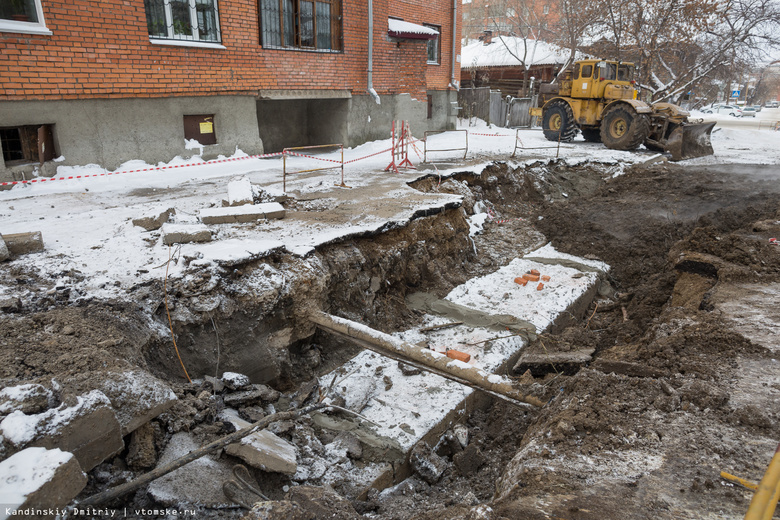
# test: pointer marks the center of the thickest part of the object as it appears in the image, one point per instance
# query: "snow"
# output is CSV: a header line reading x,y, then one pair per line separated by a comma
x,y
400,27
25,472
505,51
87,229
20,429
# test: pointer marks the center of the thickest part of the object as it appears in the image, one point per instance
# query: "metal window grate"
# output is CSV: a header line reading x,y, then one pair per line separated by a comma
x,y
305,24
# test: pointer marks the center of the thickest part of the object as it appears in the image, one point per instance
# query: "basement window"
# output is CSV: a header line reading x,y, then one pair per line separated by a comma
x,y
22,16
195,21
201,128
301,24
27,144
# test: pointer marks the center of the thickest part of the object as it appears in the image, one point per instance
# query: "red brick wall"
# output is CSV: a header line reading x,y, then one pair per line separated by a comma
x,y
102,50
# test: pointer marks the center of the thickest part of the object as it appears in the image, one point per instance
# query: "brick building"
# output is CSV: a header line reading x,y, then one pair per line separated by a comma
x,y
535,19
105,82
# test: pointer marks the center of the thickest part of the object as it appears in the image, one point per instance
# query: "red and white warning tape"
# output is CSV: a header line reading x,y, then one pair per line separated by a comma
x,y
41,180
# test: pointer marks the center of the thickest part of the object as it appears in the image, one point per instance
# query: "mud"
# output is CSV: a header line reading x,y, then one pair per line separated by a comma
x,y
642,432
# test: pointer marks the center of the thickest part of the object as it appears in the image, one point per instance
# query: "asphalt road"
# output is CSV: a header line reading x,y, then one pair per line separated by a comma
x,y
763,119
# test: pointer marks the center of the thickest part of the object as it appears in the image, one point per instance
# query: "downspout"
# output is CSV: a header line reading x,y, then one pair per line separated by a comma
x,y
453,81
371,53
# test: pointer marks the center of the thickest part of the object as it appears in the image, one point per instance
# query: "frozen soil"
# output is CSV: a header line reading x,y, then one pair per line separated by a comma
x,y
642,431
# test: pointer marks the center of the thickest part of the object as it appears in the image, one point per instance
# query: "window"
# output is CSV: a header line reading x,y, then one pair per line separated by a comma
x,y
433,45
201,128
189,20
587,71
23,16
303,24
27,144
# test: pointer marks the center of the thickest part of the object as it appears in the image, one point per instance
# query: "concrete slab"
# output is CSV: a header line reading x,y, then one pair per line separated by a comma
x,y
37,478
23,243
240,192
263,449
197,483
89,429
154,221
136,396
409,409
185,233
242,214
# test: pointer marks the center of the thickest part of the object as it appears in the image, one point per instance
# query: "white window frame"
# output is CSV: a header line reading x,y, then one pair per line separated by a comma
x,y
438,44
38,27
187,40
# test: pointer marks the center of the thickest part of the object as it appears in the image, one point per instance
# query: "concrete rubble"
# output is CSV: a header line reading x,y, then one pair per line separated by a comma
x,y
197,483
39,479
185,233
21,243
263,449
242,214
240,192
88,429
154,221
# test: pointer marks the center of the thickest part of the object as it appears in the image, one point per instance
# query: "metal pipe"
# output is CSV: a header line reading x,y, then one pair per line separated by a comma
x,y
371,53
453,81
424,359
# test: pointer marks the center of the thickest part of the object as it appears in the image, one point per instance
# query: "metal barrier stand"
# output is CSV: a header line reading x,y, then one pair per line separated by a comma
x,y
433,132
292,151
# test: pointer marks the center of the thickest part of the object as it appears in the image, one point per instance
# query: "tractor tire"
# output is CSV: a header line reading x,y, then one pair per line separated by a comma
x,y
592,135
558,122
623,129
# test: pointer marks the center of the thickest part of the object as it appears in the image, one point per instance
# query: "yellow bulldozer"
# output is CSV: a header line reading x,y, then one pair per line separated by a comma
x,y
598,98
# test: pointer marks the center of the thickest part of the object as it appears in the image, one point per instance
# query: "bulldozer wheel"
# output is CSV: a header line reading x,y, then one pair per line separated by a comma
x,y
623,129
592,135
558,122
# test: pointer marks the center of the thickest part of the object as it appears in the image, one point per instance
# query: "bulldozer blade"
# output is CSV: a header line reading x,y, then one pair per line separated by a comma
x,y
690,140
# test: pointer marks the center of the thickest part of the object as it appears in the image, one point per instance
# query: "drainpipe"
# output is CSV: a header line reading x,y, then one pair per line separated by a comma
x,y
455,38
371,53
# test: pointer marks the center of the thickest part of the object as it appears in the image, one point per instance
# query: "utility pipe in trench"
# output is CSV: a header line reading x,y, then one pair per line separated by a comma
x,y
423,358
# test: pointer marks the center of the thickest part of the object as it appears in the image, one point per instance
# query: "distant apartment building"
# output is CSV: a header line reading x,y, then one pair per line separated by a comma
x,y
110,81
535,19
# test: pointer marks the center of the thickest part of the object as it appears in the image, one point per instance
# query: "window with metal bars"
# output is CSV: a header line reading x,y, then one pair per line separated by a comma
x,y
302,24
194,20
433,44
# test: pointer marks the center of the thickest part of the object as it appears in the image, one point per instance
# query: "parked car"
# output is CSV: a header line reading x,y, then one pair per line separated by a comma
x,y
723,109
749,111
757,107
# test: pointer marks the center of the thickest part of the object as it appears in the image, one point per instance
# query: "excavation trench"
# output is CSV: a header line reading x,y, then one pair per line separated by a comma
x,y
253,319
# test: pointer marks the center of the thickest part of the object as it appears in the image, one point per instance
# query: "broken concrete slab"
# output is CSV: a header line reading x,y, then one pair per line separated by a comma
x,y
136,396
185,233
235,381
240,192
152,222
541,363
263,449
24,243
4,253
28,399
429,466
38,478
198,483
421,408
242,214
89,429
10,304
141,453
